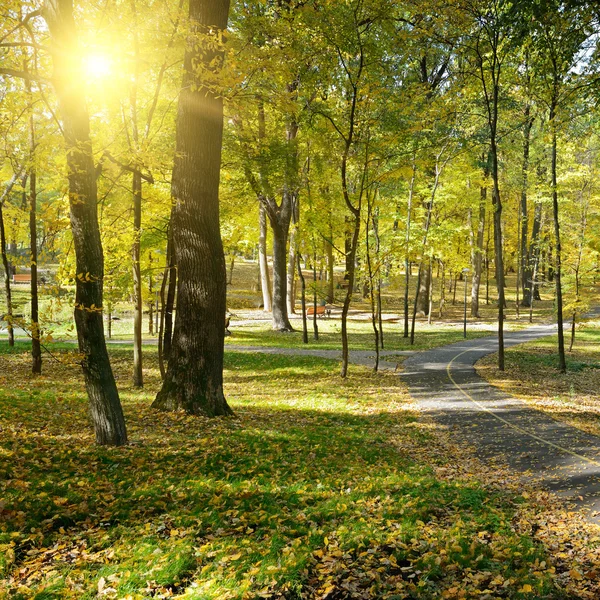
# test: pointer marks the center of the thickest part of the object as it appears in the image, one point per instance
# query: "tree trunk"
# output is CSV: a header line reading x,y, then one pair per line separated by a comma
x,y
562,363
315,325
526,266
424,288
407,266
36,349
7,274
138,307
105,406
477,255
291,271
533,254
265,283
280,314
151,296
303,299
194,377
170,301
330,276
498,252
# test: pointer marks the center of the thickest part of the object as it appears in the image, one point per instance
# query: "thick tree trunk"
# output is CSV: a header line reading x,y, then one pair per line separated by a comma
x,y
424,288
265,282
280,314
105,406
138,309
194,377
7,274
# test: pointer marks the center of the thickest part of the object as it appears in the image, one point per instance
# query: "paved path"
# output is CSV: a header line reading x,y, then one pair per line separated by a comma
x,y
501,429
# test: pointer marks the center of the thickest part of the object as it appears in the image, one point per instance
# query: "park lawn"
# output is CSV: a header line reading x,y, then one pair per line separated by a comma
x,y
360,335
317,488
532,374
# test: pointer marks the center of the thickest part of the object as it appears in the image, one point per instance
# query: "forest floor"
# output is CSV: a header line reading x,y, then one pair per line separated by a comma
x,y
317,488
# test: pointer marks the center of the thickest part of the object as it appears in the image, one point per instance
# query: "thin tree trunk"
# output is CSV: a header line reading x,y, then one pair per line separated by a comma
x,y
315,325
330,276
170,301
36,349
407,266
194,378
138,307
150,296
526,266
105,406
265,283
477,256
162,294
562,363
302,299
291,271
7,274
438,172
498,252
372,290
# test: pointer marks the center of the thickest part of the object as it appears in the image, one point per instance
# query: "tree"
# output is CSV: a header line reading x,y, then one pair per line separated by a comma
x,y
194,377
105,406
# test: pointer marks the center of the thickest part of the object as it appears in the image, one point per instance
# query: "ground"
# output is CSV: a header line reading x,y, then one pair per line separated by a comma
x,y
532,375
317,488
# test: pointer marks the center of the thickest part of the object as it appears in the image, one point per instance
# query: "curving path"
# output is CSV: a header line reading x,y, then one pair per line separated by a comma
x,y
502,429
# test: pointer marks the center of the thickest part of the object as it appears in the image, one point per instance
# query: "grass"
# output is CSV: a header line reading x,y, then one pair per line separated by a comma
x,y
532,374
317,488
244,298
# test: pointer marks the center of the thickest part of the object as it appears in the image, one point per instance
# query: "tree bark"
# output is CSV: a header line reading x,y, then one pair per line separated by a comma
x,y
407,265
562,363
194,378
291,278
138,310
105,406
477,255
526,266
303,299
265,282
279,227
330,275
7,274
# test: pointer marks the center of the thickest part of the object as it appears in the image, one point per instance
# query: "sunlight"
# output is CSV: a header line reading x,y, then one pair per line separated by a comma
x,y
97,66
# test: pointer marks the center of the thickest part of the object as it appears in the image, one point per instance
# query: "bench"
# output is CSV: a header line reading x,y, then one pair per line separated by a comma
x,y
321,310
22,278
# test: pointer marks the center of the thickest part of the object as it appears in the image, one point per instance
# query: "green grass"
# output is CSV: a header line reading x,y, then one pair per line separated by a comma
x,y
360,336
317,488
